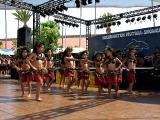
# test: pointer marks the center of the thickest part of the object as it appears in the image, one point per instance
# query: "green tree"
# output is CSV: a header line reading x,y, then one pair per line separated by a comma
x,y
49,34
23,15
107,18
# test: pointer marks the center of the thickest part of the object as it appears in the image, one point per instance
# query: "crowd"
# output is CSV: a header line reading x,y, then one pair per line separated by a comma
x,y
5,64
106,66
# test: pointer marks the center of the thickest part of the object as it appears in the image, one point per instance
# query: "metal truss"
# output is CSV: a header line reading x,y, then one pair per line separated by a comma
x,y
88,33
51,4
65,17
21,5
36,27
129,14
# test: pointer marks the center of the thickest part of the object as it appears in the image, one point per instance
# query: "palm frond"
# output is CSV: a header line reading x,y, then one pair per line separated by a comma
x,y
22,15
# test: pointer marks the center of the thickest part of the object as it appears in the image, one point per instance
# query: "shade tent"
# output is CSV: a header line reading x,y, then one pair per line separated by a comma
x,y
7,51
75,50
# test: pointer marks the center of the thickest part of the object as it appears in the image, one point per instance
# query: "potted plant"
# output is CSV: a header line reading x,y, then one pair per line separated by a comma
x,y
24,33
107,18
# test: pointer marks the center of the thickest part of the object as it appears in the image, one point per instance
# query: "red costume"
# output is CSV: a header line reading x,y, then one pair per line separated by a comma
x,y
119,76
99,79
26,76
50,74
69,72
39,74
111,76
130,74
84,74
131,77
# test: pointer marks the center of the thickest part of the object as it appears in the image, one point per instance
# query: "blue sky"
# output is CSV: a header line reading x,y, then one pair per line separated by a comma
x,y
117,3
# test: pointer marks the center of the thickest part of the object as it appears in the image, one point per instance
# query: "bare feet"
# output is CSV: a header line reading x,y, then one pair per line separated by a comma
x,y
39,99
49,89
132,94
29,95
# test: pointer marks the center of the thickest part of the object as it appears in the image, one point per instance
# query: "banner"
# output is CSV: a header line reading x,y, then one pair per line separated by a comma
x,y
145,40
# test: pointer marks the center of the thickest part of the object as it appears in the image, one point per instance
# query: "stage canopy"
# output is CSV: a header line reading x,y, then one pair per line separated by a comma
x,y
102,3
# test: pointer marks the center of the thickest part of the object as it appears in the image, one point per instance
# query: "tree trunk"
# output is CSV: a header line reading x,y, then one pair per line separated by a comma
x,y
108,30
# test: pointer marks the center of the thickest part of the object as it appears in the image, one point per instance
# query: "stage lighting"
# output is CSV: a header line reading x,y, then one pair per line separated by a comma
x,y
46,13
63,7
56,20
155,16
144,18
118,23
73,25
13,1
84,2
105,25
77,25
62,22
109,24
51,12
139,18
54,10
113,23
149,17
77,3
97,1
128,20
89,1
101,26
42,14
133,19
59,8
121,15
98,26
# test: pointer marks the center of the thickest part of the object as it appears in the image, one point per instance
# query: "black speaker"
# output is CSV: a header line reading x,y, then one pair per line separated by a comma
x,y
24,36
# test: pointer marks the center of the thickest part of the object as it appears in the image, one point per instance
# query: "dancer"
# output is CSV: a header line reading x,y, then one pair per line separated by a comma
x,y
69,64
38,63
111,70
99,78
131,61
61,71
84,68
23,68
50,77
119,72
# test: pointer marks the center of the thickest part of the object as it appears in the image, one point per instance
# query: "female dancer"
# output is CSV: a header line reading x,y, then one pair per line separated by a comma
x,y
23,68
61,71
111,70
131,61
50,77
69,64
99,78
38,63
84,71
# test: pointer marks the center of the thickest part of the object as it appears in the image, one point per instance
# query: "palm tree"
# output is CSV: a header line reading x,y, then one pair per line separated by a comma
x,y
107,18
24,33
23,16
